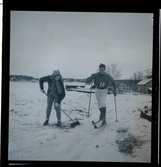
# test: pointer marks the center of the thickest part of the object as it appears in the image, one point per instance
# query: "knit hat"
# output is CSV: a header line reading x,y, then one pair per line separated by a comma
x,y
102,66
56,72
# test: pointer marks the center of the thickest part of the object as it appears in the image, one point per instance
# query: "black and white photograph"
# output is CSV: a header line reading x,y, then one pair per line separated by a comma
x,y
80,86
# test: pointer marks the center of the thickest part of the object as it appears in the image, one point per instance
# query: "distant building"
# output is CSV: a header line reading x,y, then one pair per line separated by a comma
x,y
126,85
69,85
33,80
145,86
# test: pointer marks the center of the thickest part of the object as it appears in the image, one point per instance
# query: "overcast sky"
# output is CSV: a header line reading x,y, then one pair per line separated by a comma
x,y
76,43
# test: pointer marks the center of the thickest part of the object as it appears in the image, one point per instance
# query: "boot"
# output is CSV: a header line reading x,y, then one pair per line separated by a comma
x,y
59,123
101,114
104,115
46,123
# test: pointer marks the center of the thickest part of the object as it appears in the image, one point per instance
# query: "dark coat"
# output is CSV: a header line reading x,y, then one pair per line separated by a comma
x,y
48,79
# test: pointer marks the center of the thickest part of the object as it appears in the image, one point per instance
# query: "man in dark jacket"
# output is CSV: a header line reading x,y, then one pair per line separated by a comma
x,y
55,92
101,82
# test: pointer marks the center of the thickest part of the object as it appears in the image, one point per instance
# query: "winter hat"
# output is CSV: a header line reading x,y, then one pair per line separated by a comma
x,y
102,66
56,72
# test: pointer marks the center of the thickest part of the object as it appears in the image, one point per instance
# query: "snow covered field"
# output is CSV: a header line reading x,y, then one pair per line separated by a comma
x,y
128,140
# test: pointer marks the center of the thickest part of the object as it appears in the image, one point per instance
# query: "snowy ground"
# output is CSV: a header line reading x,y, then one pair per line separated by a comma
x,y
128,140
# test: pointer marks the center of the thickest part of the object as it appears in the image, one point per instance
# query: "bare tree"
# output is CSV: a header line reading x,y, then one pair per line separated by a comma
x,y
137,75
148,72
113,70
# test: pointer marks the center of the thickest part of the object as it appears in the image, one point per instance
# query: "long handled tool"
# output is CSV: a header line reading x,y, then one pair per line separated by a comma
x,y
89,100
115,108
72,124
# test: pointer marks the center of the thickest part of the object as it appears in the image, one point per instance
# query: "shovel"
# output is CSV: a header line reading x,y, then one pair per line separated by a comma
x,y
72,124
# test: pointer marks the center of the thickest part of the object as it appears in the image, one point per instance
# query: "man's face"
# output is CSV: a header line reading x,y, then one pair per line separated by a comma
x,y
102,70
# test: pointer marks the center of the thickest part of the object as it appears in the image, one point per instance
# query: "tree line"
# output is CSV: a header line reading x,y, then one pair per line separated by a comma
x,y
30,78
22,77
112,69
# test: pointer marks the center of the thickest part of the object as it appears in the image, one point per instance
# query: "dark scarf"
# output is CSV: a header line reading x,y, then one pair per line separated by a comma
x,y
56,87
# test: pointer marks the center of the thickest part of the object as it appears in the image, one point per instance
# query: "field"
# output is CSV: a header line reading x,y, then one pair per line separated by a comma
x,y
128,140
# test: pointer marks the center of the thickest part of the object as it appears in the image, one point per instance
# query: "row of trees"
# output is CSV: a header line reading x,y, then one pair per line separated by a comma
x,y
22,78
111,69
139,75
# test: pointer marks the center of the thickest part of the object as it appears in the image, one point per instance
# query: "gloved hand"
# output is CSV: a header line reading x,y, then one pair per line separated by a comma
x,y
42,90
115,93
56,104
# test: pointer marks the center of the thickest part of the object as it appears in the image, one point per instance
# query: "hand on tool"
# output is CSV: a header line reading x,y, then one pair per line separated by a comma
x,y
42,90
56,104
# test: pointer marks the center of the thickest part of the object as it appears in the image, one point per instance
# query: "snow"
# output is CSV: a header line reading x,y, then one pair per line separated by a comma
x,y
128,140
